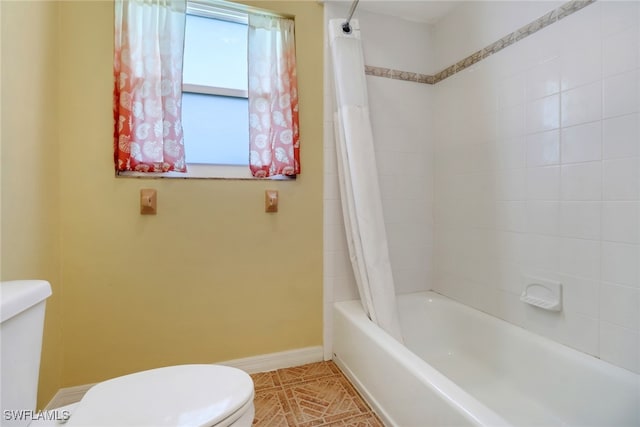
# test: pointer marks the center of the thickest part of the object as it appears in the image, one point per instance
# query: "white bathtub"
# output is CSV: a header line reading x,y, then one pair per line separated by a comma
x,y
463,367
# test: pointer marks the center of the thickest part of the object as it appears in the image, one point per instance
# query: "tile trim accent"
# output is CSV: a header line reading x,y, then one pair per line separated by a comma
x,y
390,73
511,38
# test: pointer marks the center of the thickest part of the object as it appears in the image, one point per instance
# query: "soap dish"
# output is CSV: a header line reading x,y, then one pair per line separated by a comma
x,y
543,293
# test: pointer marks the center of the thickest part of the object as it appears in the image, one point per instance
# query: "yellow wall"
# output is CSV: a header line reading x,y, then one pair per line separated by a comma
x,y
210,278
30,209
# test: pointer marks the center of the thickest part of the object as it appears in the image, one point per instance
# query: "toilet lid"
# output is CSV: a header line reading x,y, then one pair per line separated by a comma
x,y
183,395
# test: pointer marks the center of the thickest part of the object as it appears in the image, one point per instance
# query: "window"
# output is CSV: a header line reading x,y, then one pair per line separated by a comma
x,y
215,114
237,106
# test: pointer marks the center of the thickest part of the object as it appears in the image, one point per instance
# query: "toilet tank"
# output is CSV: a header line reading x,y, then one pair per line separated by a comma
x,y
22,304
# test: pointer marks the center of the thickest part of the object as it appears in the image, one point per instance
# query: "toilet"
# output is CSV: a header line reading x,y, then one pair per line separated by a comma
x,y
182,395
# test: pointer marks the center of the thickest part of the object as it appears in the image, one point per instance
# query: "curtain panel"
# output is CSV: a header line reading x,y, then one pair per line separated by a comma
x,y
149,43
274,137
358,177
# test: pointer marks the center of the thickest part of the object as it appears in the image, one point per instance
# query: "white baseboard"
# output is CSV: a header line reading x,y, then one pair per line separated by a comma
x,y
251,365
273,361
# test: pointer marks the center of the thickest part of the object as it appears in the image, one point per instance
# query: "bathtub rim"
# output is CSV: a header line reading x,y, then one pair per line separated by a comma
x,y
353,310
452,394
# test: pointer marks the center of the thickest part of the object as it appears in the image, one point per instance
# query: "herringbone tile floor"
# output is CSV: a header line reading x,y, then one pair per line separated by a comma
x,y
317,394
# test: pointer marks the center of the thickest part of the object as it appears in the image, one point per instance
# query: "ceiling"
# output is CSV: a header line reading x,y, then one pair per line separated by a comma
x,y
429,11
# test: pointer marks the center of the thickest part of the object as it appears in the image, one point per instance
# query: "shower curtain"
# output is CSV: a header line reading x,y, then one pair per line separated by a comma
x,y
359,188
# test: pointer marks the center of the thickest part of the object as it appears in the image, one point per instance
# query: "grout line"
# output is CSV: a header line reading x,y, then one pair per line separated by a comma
x,y
525,31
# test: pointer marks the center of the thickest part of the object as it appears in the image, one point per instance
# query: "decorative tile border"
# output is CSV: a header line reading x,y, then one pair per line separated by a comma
x,y
398,75
525,31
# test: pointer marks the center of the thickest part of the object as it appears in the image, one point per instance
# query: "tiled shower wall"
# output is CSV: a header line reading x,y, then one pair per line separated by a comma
x,y
400,115
537,173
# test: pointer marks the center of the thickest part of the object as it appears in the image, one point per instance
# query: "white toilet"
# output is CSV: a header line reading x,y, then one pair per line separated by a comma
x,y
183,395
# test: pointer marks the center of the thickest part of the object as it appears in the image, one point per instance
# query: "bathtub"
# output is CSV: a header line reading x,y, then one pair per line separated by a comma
x,y
461,367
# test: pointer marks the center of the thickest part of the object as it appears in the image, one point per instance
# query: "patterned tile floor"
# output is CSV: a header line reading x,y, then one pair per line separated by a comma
x,y
317,394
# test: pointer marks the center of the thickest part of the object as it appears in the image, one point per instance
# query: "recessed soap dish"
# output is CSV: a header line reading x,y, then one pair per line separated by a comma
x,y
543,293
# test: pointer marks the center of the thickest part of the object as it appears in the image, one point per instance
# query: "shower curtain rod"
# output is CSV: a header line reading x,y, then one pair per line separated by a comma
x,y
346,27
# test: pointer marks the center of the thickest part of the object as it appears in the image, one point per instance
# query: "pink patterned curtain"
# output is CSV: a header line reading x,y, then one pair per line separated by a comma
x,y
149,42
274,136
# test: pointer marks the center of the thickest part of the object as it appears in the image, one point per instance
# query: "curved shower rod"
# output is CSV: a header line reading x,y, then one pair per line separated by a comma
x,y
346,27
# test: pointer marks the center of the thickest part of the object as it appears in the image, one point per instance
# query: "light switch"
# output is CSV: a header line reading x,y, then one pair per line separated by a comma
x,y
148,201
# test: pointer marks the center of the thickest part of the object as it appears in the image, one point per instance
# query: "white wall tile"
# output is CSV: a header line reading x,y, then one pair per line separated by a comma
x,y
543,114
511,121
331,187
510,308
621,222
581,29
543,79
580,220
328,128
511,216
580,258
621,136
337,264
561,145
330,161
547,41
335,238
580,66
582,104
542,252
620,305
580,332
582,181
621,179
580,295
333,212
512,91
384,38
621,94
618,16
511,184
410,280
543,217
407,235
482,126
509,246
406,257
508,276
620,263
543,149
344,287
510,153
620,51
582,143
620,346
572,329
543,183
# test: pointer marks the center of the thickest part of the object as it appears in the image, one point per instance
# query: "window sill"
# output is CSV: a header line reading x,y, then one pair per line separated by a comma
x,y
201,171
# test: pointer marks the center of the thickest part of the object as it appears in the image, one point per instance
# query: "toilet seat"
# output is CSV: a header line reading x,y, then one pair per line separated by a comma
x,y
183,395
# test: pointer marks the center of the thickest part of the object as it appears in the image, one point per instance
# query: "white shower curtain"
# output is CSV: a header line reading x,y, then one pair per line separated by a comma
x,y
359,188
